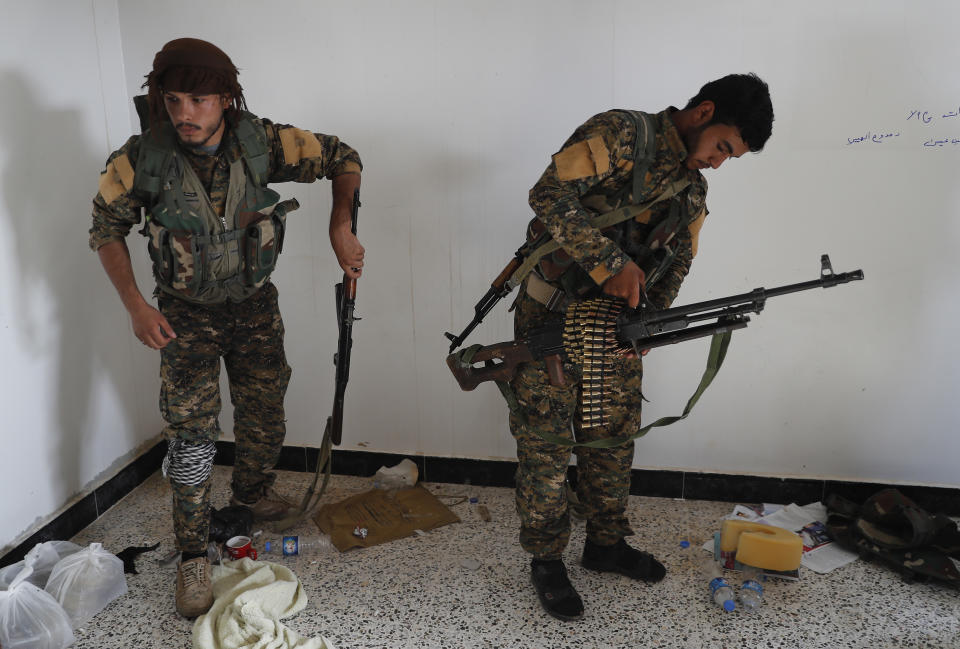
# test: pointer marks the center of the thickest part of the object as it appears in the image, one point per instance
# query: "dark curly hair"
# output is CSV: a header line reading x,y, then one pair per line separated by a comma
x,y
743,101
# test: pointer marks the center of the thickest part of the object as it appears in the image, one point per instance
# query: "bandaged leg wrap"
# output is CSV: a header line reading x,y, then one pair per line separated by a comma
x,y
187,463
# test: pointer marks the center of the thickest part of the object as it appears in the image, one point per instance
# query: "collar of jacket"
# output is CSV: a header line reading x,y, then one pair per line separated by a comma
x,y
671,136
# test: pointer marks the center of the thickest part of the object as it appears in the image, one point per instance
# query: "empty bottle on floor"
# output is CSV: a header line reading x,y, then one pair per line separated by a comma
x,y
720,591
751,590
290,546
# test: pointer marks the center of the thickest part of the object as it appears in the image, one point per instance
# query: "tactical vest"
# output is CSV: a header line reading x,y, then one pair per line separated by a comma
x,y
651,244
197,255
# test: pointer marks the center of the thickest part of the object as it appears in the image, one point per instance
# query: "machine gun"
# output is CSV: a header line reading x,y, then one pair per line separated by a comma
x,y
606,328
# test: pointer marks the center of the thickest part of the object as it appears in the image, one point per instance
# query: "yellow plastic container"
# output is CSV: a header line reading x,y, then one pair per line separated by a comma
x,y
762,546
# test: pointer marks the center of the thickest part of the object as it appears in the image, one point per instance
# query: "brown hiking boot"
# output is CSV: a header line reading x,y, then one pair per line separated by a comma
x,y
271,506
194,590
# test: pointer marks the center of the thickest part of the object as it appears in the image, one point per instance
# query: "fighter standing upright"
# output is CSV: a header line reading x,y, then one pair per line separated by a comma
x,y
214,228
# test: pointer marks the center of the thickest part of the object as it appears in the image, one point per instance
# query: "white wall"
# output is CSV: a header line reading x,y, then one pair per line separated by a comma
x,y
78,397
455,109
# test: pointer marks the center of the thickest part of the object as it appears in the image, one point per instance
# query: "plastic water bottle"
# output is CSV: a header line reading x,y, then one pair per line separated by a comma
x,y
720,591
751,590
292,545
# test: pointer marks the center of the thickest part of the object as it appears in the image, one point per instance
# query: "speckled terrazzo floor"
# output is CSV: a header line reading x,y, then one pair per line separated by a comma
x,y
416,593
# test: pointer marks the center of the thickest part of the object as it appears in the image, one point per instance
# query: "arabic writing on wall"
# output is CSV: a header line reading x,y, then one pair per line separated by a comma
x,y
922,119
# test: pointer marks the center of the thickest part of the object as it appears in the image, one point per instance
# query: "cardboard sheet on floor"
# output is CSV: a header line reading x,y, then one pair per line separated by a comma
x,y
387,515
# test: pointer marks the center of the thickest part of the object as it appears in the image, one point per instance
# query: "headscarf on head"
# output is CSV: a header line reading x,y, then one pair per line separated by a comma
x,y
195,66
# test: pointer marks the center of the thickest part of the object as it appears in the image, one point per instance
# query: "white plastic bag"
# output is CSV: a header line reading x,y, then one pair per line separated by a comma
x,y
401,476
31,618
42,558
86,581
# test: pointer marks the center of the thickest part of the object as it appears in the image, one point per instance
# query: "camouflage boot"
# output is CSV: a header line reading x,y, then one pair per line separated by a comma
x,y
271,506
194,590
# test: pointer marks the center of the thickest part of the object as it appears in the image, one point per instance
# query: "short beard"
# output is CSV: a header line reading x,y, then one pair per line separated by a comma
x,y
213,131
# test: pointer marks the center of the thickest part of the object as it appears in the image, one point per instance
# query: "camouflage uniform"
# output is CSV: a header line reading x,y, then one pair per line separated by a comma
x,y
593,174
247,334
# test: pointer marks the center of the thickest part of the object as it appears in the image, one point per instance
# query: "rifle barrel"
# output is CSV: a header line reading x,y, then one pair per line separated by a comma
x,y
757,297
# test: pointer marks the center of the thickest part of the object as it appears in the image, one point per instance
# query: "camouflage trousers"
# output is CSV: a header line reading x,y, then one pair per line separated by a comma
x,y
603,474
248,336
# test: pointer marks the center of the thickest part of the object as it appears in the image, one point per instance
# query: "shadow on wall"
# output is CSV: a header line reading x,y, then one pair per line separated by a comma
x,y
49,178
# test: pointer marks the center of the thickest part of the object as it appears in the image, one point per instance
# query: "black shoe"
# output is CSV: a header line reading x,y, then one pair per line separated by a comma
x,y
623,559
556,592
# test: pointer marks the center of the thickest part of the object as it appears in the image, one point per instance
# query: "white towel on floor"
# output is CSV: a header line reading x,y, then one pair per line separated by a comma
x,y
251,597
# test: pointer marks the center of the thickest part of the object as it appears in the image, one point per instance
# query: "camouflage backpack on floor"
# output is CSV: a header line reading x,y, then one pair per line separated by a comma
x,y
891,528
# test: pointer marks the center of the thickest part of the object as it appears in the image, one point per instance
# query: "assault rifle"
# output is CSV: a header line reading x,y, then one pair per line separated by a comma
x,y
346,295
499,288
637,329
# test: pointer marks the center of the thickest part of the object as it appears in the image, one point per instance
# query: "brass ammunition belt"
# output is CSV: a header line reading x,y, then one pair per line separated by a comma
x,y
590,340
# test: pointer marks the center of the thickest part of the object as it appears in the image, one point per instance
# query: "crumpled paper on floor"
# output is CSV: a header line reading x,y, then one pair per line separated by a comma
x,y
251,597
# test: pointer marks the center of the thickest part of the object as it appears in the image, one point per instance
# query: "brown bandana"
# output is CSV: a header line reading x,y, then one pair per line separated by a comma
x,y
192,52
194,66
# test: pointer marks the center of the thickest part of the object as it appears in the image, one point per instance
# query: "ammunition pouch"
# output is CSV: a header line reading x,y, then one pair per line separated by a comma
x,y
263,243
184,262
177,258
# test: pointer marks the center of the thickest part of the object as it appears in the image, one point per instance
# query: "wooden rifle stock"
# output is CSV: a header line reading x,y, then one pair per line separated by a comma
x,y
499,363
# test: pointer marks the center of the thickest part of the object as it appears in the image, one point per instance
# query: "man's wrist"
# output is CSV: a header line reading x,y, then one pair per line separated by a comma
x,y
136,303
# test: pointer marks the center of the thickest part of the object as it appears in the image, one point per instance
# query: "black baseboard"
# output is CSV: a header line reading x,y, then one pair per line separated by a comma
x,y
493,473
92,506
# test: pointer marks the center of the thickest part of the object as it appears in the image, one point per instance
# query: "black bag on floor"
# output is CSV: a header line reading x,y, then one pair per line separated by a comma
x,y
228,522
891,528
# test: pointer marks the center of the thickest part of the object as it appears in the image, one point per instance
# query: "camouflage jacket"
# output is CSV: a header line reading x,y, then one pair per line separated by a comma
x,y
593,174
295,155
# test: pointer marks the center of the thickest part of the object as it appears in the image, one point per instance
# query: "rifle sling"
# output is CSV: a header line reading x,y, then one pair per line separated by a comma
x,y
718,351
605,220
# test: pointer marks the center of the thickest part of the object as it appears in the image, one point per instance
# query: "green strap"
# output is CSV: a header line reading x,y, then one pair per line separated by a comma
x,y
644,148
599,222
626,212
465,356
718,350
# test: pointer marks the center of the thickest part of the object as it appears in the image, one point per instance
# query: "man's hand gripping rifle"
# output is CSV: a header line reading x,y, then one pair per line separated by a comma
x,y
346,296
635,330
